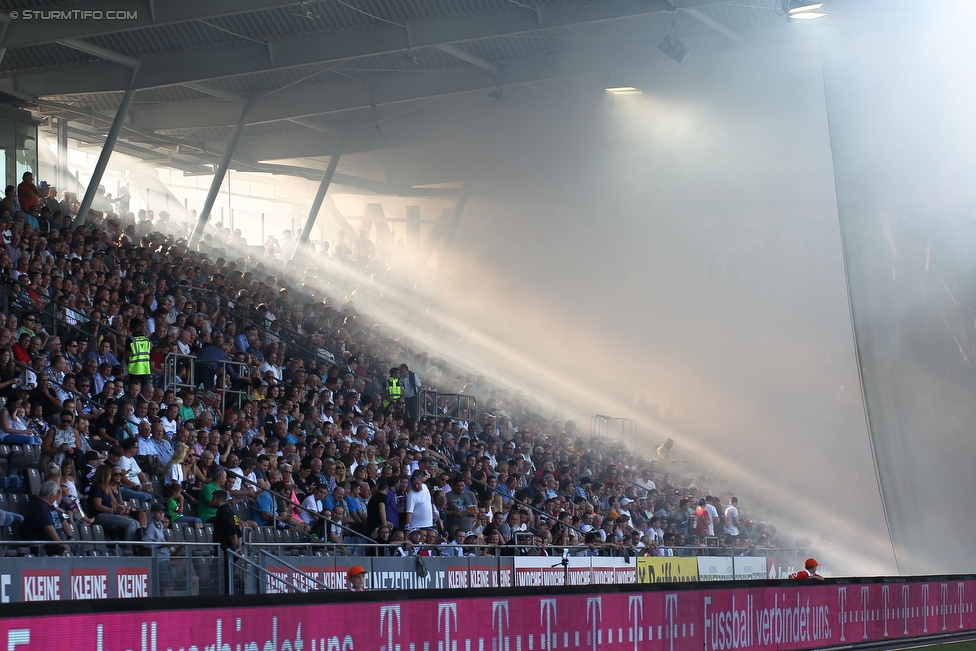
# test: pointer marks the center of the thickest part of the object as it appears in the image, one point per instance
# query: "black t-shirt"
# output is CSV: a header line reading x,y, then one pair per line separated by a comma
x,y
226,524
111,425
376,504
40,514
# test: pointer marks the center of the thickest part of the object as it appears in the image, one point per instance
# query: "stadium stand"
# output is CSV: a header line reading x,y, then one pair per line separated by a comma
x,y
329,435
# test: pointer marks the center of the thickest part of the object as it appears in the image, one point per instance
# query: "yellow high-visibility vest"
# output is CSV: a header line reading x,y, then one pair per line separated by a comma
x,y
139,356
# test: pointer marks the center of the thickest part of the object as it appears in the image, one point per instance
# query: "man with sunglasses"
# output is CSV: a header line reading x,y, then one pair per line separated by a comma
x,y
31,325
71,355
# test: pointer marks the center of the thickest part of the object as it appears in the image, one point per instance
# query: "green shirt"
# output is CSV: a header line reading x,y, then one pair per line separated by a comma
x,y
172,507
206,513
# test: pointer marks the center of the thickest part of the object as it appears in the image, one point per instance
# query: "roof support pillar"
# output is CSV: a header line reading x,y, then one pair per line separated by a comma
x,y
313,211
218,180
103,158
61,126
458,212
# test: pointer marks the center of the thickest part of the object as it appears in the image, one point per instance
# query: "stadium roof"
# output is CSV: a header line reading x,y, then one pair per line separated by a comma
x,y
301,76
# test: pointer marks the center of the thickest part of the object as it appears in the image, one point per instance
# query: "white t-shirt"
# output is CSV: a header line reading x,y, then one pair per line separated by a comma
x,y
311,504
175,474
712,514
731,513
647,484
238,474
169,426
131,468
418,503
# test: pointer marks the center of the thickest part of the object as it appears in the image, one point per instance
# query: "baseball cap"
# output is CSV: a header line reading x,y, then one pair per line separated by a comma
x,y
811,562
356,570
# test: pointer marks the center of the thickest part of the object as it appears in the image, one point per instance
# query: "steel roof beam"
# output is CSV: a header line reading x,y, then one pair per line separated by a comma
x,y
194,65
140,14
473,59
307,101
213,91
101,52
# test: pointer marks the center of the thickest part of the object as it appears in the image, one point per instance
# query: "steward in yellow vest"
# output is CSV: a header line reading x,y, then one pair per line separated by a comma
x,y
138,349
394,389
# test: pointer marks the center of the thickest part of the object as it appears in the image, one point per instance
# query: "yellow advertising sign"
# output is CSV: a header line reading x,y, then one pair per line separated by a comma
x,y
666,569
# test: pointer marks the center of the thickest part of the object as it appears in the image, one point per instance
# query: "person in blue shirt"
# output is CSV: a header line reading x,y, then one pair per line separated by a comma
x,y
338,496
103,355
266,505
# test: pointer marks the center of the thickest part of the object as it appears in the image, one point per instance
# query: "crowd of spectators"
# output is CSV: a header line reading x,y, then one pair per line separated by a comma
x,y
301,409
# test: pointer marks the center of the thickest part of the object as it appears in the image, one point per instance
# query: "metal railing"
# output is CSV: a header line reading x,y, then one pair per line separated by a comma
x,y
192,381
434,404
170,375
250,576
608,427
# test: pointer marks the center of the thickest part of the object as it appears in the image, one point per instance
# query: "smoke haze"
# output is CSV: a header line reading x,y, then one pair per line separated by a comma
x,y
681,244
676,257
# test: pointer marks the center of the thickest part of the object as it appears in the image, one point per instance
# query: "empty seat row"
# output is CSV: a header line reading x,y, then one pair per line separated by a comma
x,y
14,502
15,461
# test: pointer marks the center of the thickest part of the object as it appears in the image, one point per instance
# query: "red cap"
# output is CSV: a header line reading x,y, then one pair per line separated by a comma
x,y
356,570
810,562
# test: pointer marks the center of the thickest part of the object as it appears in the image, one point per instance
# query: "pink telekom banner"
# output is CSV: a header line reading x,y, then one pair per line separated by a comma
x,y
791,617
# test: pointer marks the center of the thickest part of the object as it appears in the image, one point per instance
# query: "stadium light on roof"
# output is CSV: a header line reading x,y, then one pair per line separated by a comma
x,y
623,90
803,9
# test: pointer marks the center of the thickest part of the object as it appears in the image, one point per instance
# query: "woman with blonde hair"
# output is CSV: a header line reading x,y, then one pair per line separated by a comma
x,y
340,472
174,473
69,488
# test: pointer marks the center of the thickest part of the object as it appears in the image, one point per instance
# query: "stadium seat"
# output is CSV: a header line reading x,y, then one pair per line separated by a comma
x,y
16,462
11,533
98,535
179,531
265,535
194,535
18,502
34,481
243,511
83,532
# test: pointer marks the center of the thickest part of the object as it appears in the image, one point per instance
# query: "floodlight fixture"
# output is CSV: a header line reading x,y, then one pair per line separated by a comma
x,y
802,9
623,90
